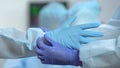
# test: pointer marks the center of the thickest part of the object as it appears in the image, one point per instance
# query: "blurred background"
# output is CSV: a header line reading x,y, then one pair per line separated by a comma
x,y
24,13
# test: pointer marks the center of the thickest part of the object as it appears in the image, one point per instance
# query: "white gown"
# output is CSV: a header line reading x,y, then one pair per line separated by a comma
x,y
16,43
104,53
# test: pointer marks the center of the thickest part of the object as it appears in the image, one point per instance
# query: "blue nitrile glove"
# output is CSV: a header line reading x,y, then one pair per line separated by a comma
x,y
55,53
73,36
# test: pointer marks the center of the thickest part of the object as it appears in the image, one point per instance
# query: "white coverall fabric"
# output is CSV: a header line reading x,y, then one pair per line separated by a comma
x,y
31,62
104,53
16,43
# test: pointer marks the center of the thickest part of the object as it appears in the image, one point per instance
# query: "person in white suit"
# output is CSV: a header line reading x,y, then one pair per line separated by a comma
x,y
103,53
58,17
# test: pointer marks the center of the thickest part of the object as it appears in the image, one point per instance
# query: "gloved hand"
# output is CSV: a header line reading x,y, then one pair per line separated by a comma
x,y
55,53
73,36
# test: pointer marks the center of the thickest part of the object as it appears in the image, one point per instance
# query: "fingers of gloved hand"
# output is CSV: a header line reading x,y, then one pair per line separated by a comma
x,y
39,51
41,44
41,58
91,34
52,42
44,29
84,40
77,28
69,21
44,61
89,25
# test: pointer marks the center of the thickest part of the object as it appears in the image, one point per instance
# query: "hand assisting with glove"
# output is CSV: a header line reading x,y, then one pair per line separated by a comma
x,y
55,53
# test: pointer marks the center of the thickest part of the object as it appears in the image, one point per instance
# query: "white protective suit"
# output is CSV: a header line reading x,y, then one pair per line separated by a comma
x,y
17,43
104,53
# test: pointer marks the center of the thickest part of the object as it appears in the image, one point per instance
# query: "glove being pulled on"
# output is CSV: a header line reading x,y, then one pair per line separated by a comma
x,y
73,36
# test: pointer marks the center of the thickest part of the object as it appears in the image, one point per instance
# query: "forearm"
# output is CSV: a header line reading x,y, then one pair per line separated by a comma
x,y
16,43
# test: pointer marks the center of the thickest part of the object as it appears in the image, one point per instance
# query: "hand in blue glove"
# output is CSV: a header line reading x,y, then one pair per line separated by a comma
x,y
74,36
55,53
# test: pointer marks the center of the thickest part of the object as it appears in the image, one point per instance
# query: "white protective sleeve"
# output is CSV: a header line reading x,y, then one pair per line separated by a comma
x,y
16,43
104,53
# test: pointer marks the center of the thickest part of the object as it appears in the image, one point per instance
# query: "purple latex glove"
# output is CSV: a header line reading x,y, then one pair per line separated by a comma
x,y
55,53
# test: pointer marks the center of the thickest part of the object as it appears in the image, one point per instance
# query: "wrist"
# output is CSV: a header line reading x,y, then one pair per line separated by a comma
x,y
75,58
